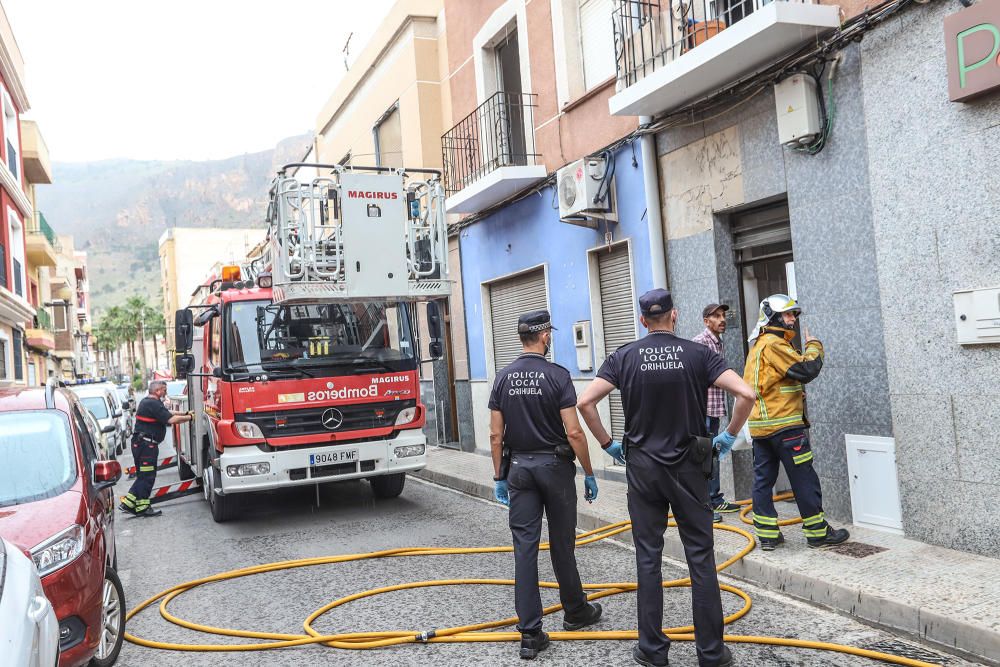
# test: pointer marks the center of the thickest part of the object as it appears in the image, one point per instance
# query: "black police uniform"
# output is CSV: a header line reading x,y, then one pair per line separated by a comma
x,y
664,381
151,420
530,393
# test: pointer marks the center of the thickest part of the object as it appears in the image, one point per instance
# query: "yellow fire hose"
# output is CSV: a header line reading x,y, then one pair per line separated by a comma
x,y
476,632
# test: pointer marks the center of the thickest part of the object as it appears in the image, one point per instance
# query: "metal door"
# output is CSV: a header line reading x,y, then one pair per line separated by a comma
x,y
508,300
617,315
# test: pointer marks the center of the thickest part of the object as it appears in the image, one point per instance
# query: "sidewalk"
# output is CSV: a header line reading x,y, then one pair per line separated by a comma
x,y
943,596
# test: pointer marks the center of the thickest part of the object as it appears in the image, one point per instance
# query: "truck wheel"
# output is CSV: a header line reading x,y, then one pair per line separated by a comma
x,y
224,508
184,470
388,486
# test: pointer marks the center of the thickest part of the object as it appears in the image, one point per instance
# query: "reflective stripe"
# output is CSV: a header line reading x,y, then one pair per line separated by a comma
x,y
814,519
791,419
148,420
802,458
756,384
147,468
821,532
791,389
128,501
772,533
766,520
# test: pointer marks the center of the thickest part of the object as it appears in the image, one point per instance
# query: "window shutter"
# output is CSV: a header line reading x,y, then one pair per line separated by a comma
x,y
508,300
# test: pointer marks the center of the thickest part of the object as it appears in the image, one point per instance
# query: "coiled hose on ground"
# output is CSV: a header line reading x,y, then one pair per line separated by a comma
x,y
479,632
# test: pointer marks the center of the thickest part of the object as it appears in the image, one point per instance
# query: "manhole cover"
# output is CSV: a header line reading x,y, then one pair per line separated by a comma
x,y
857,549
905,650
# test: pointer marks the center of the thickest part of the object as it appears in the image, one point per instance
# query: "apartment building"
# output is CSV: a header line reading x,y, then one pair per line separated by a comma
x,y
840,155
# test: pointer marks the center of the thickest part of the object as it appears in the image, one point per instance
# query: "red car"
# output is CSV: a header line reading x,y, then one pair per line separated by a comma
x,y
57,505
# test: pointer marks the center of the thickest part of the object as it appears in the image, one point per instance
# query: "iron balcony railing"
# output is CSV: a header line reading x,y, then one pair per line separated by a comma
x,y
499,133
42,319
650,34
40,225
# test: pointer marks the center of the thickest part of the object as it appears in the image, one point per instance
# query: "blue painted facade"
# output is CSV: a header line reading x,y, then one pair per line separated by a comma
x,y
527,234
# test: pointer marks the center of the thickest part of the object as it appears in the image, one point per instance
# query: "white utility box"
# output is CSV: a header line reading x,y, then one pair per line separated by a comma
x,y
580,188
797,108
871,465
581,340
977,316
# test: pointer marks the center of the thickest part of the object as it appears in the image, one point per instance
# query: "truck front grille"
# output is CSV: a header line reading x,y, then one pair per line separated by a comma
x,y
309,421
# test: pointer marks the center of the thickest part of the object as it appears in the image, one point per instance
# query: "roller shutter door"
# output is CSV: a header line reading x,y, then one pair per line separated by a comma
x,y
618,314
508,299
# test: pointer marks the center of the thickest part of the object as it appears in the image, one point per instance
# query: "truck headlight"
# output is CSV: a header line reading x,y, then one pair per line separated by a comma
x,y
248,469
405,451
248,430
59,550
405,416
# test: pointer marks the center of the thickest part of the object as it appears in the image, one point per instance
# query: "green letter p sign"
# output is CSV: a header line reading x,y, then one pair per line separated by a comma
x,y
963,67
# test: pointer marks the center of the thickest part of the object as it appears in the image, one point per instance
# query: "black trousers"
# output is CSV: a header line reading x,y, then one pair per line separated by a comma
x,y
145,455
654,490
792,450
543,483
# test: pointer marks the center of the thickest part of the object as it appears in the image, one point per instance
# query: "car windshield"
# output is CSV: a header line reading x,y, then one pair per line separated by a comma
x,y
36,456
97,406
261,335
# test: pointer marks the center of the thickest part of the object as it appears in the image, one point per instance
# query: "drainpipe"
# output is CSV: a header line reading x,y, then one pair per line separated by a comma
x,y
654,219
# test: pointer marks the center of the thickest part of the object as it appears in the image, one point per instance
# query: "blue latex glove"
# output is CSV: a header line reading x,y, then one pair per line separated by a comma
x,y
501,493
724,441
614,450
590,488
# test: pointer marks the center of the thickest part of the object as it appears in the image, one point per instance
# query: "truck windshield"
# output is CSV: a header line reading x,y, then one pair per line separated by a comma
x,y
262,335
36,456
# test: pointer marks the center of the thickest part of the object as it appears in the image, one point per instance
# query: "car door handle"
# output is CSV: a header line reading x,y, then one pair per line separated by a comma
x,y
39,609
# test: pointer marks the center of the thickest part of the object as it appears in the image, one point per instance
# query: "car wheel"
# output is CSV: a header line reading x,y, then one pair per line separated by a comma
x,y
224,508
112,631
388,486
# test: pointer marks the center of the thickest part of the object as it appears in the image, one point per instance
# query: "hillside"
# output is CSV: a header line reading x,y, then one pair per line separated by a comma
x,y
116,210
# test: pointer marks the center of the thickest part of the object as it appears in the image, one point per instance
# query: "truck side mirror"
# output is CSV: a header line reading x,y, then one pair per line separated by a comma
x,y
435,347
183,329
184,364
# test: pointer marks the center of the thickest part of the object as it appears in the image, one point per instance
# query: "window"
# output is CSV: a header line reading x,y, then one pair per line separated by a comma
x,y
215,338
17,345
3,359
597,41
86,440
388,139
11,136
17,278
59,318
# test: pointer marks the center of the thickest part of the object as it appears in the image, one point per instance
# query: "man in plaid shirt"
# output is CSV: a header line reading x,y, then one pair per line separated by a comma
x,y
714,315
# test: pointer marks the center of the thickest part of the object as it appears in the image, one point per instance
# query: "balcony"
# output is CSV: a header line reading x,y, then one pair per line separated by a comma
x,y
489,155
40,336
42,244
670,57
37,166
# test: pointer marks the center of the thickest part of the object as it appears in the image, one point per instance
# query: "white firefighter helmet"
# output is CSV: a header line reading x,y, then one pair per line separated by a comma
x,y
770,309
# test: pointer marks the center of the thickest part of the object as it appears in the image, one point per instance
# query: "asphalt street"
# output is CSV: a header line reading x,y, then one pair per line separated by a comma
x,y
185,544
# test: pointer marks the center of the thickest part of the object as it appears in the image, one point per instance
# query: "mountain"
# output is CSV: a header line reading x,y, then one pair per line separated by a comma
x,y
117,210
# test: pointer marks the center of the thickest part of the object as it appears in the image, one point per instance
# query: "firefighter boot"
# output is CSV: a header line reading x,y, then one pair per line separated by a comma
x,y
533,644
833,536
771,543
591,614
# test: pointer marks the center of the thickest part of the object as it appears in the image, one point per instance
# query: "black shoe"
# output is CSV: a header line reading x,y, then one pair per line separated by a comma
x,y
727,507
645,660
125,508
833,536
727,657
150,511
716,517
533,644
590,615
770,543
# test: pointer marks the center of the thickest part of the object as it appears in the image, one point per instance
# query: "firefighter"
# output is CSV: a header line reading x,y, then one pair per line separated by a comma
x,y
151,421
534,435
664,383
778,374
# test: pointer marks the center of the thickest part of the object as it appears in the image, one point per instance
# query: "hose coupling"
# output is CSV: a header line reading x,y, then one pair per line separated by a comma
x,y
426,636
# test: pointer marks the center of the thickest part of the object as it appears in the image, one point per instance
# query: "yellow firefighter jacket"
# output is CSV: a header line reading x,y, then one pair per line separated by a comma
x,y
777,373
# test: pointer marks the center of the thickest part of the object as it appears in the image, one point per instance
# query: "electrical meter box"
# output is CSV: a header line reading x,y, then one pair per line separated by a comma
x,y
797,108
581,340
977,316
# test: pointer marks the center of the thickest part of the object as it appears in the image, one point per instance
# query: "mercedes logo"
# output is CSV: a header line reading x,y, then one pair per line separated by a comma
x,y
332,419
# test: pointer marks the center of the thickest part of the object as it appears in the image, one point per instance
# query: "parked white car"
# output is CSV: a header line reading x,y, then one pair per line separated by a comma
x,y
29,631
102,402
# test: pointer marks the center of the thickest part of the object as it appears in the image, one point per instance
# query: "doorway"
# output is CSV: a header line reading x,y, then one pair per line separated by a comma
x,y
513,145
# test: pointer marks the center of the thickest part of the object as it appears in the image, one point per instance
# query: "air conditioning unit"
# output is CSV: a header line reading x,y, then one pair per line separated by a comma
x,y
585,188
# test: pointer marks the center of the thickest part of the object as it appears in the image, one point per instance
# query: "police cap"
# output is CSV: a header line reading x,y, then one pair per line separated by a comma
x,y
534,321
656,302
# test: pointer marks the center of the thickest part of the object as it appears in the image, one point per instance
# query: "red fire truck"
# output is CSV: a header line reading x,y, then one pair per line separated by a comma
x,y
306,371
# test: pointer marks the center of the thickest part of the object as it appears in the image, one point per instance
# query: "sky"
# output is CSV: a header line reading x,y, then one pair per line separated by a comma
x,y
182,79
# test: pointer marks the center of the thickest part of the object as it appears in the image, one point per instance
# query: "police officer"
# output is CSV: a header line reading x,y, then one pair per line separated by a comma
x,y
664,380
533,417
151,421
778,374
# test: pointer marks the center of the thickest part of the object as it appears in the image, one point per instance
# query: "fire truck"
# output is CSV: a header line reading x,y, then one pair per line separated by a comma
x,y
306,365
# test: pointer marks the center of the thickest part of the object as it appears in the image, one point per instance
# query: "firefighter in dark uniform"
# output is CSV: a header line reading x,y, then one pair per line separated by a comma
x,y
664,380
534,434
151,421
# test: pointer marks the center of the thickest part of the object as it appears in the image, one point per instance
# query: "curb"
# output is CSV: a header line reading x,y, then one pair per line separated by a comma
x,y
946,632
